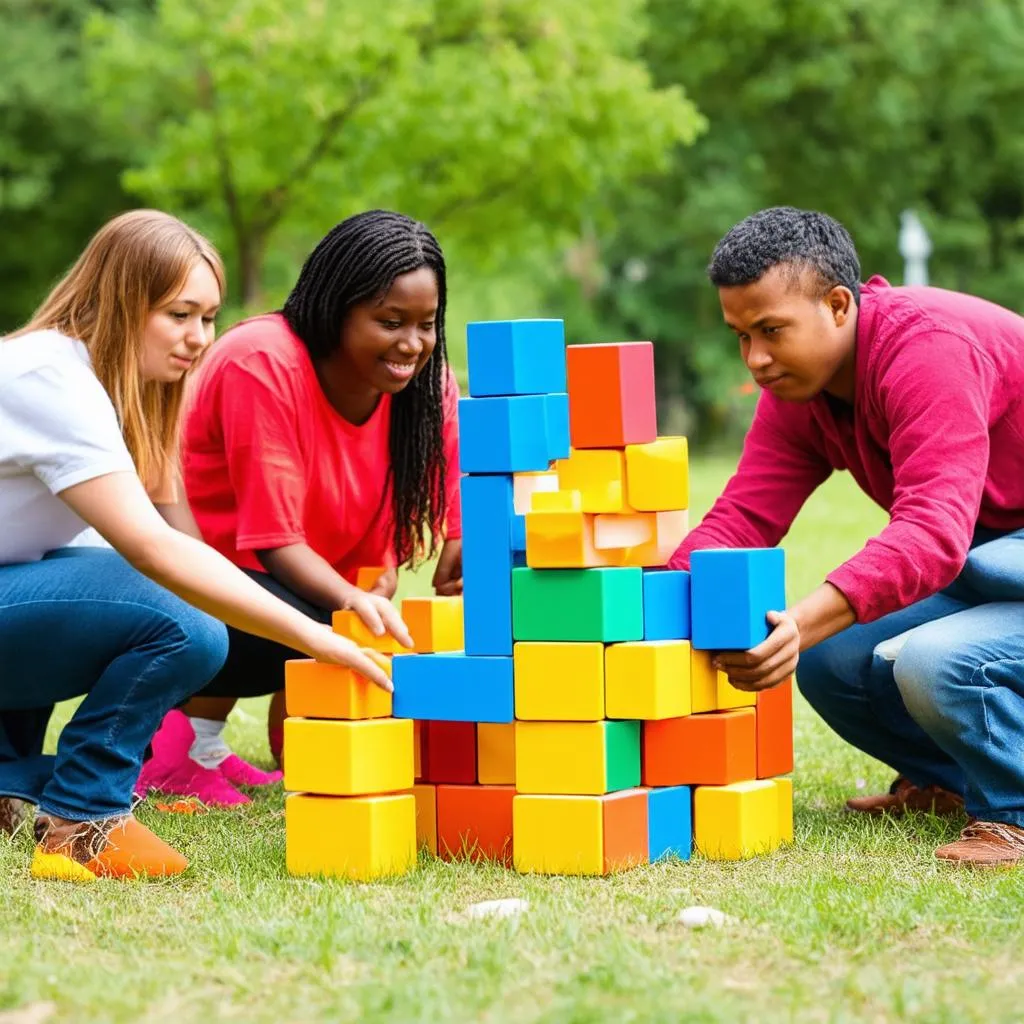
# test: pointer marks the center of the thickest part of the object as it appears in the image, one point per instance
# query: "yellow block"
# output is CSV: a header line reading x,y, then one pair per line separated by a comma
x,y
728,697
426,815
348,758
561,757
669,530
559,682
737,821
525,484
496,753
555,501
558,835
361,838
657,475
704,682
314,689
561,540
598,474
435,623
784,785
647,679
347,623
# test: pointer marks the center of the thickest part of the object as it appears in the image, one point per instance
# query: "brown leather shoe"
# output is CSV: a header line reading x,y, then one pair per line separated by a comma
x,y
985,844
12,813
905,796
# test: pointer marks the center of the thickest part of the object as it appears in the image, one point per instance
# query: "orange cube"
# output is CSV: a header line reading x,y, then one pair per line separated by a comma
x,y
426,815
611,394
475,822
435,623
709,750
775,730
313,689
367,576
347,623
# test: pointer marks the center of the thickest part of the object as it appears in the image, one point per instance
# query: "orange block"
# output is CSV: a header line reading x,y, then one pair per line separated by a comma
x,y
611,394
368,575
625,829
775,730
435,623
475,822
313,689
667,532
708,750
347,623
561,539
496,753
426,815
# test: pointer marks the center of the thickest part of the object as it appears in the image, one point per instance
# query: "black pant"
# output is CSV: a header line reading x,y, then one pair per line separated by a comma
x,y
255,666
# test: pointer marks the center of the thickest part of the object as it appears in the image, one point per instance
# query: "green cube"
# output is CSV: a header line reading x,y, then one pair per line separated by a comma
x,y
622,747
578,604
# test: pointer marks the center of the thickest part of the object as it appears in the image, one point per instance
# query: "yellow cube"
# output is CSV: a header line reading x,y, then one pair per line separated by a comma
x,y
559,682
669,530
526,484
425,796
555,501
435,623
784,785
561,539
728,697
585,758
599,475
313,689
347,623
647,679
348,758
704,682
496,753
657,475
360,838
737,821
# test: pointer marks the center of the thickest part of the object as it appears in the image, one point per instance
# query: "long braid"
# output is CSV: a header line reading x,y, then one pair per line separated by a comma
x,y
357,260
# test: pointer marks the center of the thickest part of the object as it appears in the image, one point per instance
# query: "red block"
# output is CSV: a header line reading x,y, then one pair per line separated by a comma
x,y
611,395
625,829
715,749
775,730
475,821
448,752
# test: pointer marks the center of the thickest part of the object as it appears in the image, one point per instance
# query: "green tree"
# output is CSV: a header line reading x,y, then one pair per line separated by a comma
x,y
496,121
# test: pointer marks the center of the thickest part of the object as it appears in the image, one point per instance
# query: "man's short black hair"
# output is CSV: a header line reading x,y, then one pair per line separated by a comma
x,y
784,236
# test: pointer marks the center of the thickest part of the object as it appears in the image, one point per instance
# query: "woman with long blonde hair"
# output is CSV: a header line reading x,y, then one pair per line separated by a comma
x,y
90,394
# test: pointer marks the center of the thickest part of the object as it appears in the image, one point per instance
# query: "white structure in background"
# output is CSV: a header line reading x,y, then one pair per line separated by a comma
x,y
915,248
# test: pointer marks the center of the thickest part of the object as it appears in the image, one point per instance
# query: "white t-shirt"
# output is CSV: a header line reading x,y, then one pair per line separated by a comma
x,y
58,428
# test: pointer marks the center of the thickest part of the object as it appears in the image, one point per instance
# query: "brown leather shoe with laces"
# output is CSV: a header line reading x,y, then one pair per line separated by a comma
x,y
985,844
905,796
12,813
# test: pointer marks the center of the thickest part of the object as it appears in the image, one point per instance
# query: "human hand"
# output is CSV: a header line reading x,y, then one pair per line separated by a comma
x,y
770,662
379,615
327,646
447,581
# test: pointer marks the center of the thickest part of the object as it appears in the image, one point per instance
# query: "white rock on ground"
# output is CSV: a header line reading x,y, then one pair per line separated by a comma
x,y
702,917
497,908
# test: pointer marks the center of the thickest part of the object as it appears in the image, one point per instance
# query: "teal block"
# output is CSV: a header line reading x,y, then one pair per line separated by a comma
x,y
578,604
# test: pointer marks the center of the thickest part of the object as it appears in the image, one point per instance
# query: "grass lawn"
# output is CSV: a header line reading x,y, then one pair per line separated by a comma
x,y
856,921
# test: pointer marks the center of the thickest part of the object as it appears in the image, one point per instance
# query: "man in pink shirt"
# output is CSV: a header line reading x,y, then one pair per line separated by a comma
x,y
919,393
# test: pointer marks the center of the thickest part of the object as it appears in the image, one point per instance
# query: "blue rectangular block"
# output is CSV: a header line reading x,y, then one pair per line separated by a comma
x,y
487,564
518,533
516,357
731,592
666,604
669,822
452,688
505,435
557,418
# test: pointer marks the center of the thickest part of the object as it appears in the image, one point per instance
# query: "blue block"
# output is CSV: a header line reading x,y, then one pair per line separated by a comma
x,y
518,533
557,419
487,564
505,435
731,592
666,604
669,823
452,688
516,357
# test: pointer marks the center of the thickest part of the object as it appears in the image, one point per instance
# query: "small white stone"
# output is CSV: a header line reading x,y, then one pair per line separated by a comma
x,y
701,917
497,908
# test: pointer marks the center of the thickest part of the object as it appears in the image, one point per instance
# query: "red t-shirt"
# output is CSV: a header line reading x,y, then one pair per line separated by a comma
x,y
268,462
935,436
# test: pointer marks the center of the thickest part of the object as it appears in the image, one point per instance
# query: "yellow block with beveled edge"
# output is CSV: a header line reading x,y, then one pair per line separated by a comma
x,y
361,837
562,757
555,501
526,484
435,623
348,624
737,821
647,679
599,475
314,689
348,758
704,682
425,794
559,682
496,753
561,539
784,787
658,475
728,697
558,835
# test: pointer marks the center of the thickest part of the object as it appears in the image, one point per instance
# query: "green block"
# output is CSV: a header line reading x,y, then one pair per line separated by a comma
x,y
622,755
578,604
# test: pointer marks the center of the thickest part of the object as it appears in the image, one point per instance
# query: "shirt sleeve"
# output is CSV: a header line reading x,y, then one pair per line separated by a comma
x,y
263,452
453,503
779,469
935,397
58,422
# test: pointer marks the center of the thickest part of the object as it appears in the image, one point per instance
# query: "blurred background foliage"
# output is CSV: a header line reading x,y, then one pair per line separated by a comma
x,y
576,159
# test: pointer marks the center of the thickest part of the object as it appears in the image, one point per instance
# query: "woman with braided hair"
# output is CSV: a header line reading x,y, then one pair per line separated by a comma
x,y
318,440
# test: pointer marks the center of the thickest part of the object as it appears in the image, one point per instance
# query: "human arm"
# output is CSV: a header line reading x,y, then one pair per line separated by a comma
x,y
447,580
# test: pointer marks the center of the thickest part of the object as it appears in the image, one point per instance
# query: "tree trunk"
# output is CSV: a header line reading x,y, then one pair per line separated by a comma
x,y
251,250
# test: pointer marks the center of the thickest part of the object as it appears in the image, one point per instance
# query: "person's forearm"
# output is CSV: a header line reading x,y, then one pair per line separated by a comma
x,y
823,613
307,574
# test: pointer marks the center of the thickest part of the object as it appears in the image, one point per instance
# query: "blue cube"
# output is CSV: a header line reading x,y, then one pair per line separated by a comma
x,y
731,592
556,413
452,687
516,357
507,435
487,564
669,823
666,604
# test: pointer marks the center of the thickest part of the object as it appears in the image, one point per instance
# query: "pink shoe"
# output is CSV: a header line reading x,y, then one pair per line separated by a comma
x,y
241,773
172,771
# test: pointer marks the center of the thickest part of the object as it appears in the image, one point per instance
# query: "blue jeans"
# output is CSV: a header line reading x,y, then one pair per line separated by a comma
x,y
936,690
79,622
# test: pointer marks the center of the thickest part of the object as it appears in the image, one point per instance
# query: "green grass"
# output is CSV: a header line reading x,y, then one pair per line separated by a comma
x,y
856,921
